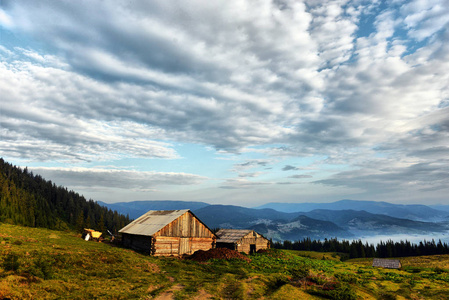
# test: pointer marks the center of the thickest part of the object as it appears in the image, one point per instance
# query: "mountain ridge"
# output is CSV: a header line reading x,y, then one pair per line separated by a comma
x,y
137,208
416,212
317,224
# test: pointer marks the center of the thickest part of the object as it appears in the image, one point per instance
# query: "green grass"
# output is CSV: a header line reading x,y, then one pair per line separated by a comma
x,y
45,264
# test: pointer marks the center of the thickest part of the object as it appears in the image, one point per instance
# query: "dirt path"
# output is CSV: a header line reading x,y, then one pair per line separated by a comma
x,y
169,295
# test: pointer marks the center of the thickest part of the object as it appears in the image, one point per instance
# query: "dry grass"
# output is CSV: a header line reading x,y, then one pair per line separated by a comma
x,y
55,265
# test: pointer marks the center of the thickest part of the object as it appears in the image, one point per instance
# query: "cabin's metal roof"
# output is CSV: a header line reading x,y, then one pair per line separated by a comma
x,y
231,235
152,221
387,263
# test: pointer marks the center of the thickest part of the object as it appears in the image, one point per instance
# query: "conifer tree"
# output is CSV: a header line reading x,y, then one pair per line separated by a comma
x,y
30,200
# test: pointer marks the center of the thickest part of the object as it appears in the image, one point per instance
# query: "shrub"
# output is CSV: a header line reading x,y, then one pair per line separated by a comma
x,y
387,296
317,279
299,272
344,256
411,269
340,292
346,277
42,267
276,281
439,270
343,292
11,262
234,289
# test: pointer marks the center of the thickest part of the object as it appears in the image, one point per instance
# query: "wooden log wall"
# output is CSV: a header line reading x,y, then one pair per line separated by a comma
x,y
256,239
166,246
137,242
202,244
186,226
185,235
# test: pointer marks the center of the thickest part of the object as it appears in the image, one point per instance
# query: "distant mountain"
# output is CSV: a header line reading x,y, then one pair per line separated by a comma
x,y
318,224
301,227
137,208
230,216
412,212
271,223
315,224
440,207
362,222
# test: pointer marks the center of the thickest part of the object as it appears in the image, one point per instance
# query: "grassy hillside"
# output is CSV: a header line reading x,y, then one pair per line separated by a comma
x,y
44,264
30,200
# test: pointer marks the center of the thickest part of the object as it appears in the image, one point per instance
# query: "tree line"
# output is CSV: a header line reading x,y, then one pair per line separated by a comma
x,y
358,249
30,200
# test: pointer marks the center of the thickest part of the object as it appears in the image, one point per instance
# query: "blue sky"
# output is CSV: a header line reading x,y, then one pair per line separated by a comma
x,y
231,102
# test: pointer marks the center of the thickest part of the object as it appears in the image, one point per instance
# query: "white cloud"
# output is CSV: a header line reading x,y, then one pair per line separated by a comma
x,y
52,109
300,176
243,183
424,18
273,79
5,19
83,178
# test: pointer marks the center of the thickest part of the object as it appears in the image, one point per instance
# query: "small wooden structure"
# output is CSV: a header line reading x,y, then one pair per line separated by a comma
x,y
90,234
168,232
387,263
242,240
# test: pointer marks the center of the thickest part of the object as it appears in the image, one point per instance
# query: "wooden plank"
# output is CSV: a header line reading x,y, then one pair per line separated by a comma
x,y
185,226
160,239
184,246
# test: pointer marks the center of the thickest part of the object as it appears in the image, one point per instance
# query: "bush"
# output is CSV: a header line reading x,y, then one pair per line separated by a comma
x,y
439,270
344,256
387,296
276,281
411,269
234,289
11,262
42,267
299,272
318,279
341,292
346,277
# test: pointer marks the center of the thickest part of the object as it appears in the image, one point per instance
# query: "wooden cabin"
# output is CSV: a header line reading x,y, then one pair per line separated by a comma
x,y
387,263
242,240
168,232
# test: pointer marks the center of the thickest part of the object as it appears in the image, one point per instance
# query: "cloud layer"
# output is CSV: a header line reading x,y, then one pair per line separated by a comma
x,y
117,178
363,84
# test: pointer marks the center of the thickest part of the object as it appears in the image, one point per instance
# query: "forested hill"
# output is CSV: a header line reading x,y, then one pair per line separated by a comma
x,y
30,200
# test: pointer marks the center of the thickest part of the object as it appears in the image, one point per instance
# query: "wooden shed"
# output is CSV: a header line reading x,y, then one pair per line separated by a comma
x,y
387,263
168,232
242,240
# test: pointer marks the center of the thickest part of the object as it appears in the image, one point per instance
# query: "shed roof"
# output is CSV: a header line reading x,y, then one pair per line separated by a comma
x,y
152,221
387,263
232,235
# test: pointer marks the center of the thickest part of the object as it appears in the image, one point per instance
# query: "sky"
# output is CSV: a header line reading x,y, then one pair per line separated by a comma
x,y
229,102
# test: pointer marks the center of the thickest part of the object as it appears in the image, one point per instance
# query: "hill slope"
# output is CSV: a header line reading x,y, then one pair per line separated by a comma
x,y
44,264
30,200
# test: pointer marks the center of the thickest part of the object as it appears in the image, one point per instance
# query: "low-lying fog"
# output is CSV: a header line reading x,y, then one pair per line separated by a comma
x,y
413,238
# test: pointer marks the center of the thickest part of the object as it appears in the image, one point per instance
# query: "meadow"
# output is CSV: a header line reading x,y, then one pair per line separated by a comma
x,y
45,264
